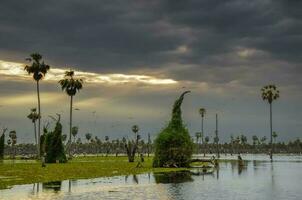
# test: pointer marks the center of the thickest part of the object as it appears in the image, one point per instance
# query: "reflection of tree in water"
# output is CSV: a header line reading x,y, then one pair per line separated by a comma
x,y
135,179
173,177
54,185
241,168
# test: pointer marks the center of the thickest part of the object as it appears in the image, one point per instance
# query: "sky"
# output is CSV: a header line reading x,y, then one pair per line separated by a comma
x,y
137,57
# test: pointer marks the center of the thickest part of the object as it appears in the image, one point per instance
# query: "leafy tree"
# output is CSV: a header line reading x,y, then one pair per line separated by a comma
x,y
54,145
34,116
270,93
173,145
39,69
71,86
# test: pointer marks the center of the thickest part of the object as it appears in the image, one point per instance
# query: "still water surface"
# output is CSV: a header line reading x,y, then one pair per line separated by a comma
x,y
259,179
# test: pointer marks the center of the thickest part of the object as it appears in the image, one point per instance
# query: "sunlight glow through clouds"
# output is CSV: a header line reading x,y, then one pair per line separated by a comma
x,y
21,99
55,74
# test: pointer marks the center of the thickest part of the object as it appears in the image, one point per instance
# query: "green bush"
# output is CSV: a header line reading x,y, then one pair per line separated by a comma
x,y
2,139
53,145
173,145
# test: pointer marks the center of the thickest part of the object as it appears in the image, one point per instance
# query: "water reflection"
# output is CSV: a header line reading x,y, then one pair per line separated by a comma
x,y
54,186
173,177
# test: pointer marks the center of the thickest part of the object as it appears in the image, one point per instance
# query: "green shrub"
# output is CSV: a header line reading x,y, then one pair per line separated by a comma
x,y
54,146
173,145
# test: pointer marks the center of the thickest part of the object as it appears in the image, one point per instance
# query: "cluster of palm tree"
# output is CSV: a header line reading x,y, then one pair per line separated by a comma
x,y
269,93
69,84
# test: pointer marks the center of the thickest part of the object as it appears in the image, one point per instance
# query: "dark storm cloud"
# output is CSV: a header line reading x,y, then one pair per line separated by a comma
x,y
123,36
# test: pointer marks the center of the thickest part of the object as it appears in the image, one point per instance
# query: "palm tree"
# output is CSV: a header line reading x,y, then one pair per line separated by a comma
x,y
198,136
71,86
74,132
202,112
88,136
270,93
39,69
206,141
255,141
135,129
33,116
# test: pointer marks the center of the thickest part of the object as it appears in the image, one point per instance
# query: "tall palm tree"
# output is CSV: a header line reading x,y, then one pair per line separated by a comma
x,y
270,93
34,116
202,112
39,69
71,86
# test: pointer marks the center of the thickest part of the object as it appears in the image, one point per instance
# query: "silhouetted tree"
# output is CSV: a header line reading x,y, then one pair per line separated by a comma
x,y
270,93
71,86
88,136
39,69
202,112
34,116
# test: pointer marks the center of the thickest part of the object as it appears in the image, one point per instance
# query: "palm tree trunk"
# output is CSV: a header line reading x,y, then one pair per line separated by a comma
x,y
39,119
35,131
271,129
202,137
70,124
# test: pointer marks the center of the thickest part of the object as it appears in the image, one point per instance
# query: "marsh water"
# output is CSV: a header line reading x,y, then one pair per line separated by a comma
x,y
257,179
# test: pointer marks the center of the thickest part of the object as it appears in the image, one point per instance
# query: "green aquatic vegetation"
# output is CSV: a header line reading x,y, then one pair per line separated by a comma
x,y
173,145
77,168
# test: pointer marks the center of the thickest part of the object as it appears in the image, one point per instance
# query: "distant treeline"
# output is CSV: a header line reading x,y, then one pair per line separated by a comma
x,y
117,147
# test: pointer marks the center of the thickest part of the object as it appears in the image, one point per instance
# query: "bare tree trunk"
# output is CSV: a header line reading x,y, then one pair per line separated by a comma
x,y
39,119
35,131
202,137
217,145
70,124
271,129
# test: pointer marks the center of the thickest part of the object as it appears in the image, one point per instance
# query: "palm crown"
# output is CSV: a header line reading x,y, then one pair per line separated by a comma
x,y
33,116
202,112
135,128
37,68
270,93
71,85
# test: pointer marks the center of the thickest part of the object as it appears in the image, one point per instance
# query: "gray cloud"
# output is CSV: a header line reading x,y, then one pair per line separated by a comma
x,y
219,49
